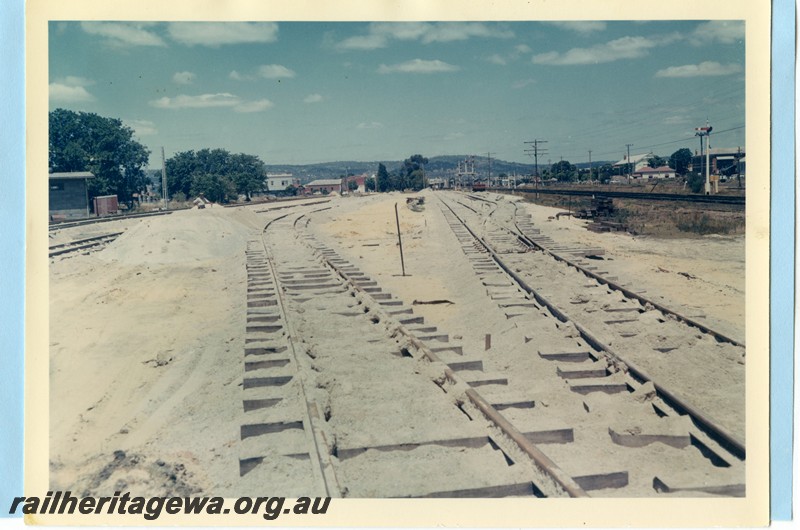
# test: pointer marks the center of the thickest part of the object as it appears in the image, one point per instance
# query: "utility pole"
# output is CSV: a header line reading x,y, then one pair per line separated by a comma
x,y
590,165
164,180
701,132
489,156
629,162
536,152
739,167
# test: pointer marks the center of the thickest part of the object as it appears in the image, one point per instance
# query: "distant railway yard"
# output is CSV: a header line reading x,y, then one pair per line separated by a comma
x,y
473,345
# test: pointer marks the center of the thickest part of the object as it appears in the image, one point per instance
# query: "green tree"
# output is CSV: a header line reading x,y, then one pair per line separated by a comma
x,y
215,173
696,182
412,172
383,180
563,171
680,160
216,188
605,172
248,173
656,161
369,184
82,141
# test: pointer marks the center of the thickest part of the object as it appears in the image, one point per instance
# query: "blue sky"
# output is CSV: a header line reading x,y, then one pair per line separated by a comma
x,y
307,92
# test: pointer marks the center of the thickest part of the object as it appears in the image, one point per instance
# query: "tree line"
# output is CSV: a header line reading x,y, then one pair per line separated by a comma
x,y
410,175
84,141
564,171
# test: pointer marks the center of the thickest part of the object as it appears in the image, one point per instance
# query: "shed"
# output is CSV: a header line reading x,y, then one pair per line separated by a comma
x,y
69,195
324,185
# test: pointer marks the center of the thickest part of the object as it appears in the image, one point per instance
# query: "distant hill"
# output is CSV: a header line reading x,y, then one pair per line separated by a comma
x,y
437,166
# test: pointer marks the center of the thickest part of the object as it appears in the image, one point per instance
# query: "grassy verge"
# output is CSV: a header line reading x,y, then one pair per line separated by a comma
x,y
661,219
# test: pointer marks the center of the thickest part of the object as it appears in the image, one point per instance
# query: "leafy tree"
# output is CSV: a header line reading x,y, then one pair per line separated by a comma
x,y
563,171
605,172
216,188
383,179
656,161
215,173
352,185
369,184
413,173
680,160
247,173
83,141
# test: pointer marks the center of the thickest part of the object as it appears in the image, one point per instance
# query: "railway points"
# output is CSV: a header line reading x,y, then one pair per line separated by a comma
x,y
328,371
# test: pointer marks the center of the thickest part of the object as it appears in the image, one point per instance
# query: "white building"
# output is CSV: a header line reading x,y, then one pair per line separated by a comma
x,y
663,172
637,162
281,181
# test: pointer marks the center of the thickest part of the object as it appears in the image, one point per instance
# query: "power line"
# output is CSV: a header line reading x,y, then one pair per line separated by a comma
x,y
536,152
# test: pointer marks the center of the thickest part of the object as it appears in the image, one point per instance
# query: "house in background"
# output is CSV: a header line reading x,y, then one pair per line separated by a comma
x,y
281,181
360,183
636,162
647,172
324,186
69,195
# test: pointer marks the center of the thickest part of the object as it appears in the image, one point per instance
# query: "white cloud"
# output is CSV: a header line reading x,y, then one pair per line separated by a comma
x,y
522,83
197,102
676,120
216,34
71,89
183,78
417,66
313,98
724,31
581,26
364,42
615,50
124,33
253,106
205,101
275,71
707,68
236,76
370,125
458,31
497,59
522,48
381,33
69,94
142,127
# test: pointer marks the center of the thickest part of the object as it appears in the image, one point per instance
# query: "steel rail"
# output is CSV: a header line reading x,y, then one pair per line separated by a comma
x,y
725,438
714,199
81,244
525,240
560,479
69,224
324,471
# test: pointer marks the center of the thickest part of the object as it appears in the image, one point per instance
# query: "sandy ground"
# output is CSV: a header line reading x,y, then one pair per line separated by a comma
x,y
146,335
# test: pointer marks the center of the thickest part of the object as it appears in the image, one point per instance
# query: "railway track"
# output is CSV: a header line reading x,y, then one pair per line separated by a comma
x,y
347,391
82,246
640,330
712,199
95,220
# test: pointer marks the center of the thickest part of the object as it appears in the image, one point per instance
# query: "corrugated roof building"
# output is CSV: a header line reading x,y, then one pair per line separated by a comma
x,y
322,185
69,195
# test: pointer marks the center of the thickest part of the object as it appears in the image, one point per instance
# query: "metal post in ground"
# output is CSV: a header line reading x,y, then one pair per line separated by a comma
x,y
399,239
